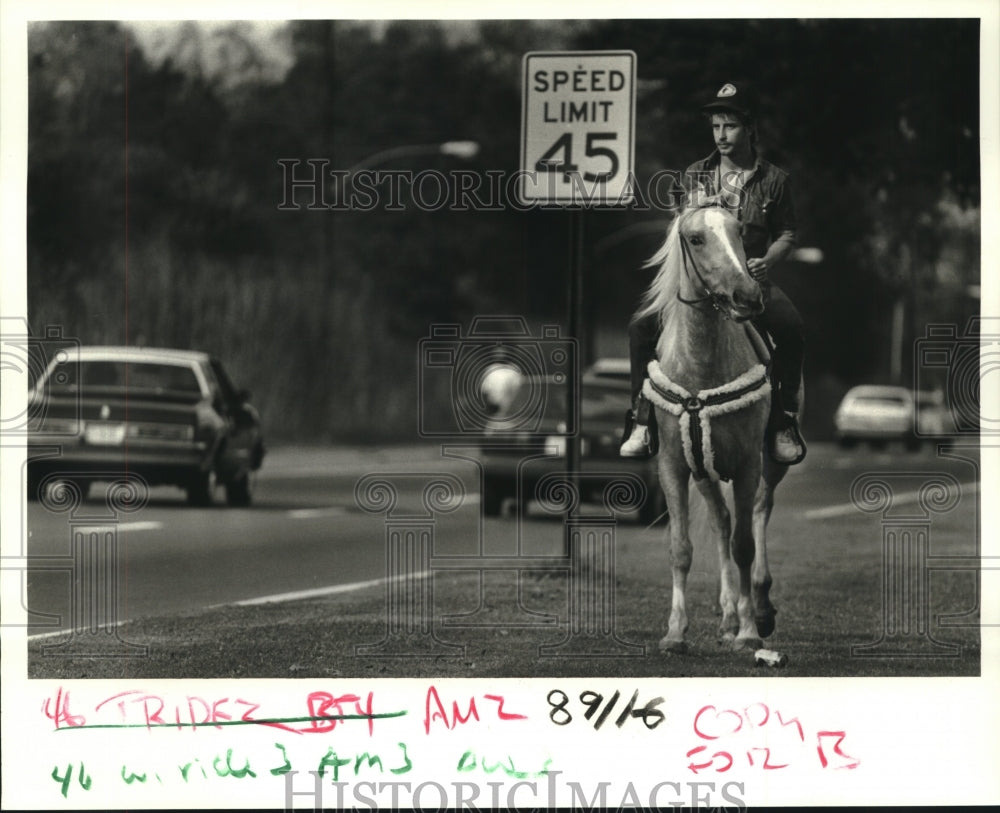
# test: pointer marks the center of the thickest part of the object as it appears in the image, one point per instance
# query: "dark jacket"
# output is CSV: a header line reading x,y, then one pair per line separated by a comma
x,y
765,207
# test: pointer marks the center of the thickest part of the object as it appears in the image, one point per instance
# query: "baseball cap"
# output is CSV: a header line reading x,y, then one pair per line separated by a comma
x,y
739,97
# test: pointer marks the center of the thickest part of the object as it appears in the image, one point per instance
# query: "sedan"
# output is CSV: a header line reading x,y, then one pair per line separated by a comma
x,y
878,414
169,417
516,463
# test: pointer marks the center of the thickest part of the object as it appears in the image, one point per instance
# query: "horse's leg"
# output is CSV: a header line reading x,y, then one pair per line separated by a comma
x,y
745,490
764,610
674,480
718,517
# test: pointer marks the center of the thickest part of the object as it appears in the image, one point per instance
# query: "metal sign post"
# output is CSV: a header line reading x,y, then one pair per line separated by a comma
x,y
573,450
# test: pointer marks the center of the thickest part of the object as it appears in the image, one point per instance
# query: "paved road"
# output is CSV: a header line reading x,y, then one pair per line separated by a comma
x,y
306,532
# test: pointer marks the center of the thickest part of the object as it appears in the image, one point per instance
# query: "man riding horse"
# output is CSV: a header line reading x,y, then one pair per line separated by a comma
x,y
758,193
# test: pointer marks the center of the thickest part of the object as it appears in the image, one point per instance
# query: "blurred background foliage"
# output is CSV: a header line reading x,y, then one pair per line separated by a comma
x,y
154,187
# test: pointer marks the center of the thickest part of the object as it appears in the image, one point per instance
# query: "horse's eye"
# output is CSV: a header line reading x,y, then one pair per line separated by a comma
x,y
696,240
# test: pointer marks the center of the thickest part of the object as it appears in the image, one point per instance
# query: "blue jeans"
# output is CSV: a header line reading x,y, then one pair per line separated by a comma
x,y
780,319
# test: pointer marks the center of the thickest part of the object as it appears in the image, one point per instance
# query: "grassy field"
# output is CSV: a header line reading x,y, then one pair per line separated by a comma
x,y
827,588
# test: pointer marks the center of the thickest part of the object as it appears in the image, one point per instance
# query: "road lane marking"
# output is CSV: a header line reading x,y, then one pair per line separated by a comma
x,y
312,513
850,509
277,598
318,592
38,636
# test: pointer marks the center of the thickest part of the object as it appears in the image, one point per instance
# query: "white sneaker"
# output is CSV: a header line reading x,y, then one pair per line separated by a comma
x,y
788,447
637,444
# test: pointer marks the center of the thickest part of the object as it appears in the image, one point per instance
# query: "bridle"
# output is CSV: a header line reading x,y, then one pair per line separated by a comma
x,y
716,301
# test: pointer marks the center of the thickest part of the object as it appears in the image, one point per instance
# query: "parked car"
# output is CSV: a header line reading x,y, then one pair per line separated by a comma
x,y
604,400
171,417
878,414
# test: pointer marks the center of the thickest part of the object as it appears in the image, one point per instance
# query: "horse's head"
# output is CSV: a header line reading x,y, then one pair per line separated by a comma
x,y
715,263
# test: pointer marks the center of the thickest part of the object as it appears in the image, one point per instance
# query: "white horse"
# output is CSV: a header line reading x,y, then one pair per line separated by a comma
x,y
712,400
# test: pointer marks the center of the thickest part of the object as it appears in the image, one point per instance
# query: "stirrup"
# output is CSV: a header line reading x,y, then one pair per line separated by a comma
x,y
645,449
637,443
790,423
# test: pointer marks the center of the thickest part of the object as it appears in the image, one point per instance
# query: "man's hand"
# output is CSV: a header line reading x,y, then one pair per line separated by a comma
x,y
757,266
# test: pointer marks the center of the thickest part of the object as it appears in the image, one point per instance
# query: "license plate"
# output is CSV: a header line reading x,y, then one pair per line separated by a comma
x,y
104,434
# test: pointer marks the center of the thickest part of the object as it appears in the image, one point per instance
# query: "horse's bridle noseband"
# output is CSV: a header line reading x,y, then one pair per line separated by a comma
x,y
717,301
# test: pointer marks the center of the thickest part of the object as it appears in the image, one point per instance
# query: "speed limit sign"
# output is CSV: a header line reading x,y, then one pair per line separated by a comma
x,y
577,123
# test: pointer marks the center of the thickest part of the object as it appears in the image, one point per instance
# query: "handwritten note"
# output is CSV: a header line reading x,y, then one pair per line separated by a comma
x,y
417,743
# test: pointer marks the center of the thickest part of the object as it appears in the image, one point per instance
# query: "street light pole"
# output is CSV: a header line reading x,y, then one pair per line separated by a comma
x,y
457,149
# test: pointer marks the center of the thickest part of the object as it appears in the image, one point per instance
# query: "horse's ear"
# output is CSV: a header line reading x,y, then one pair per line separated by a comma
x,y
702,196
699,193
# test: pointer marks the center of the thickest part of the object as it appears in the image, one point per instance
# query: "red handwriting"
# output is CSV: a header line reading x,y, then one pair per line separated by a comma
x,y
849,762
761,738
134,708
326,705
57,710
192,712
435,711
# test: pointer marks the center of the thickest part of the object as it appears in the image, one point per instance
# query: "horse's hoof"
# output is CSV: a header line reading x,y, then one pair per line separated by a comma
x,y
765,624
741,644
673,647
726,638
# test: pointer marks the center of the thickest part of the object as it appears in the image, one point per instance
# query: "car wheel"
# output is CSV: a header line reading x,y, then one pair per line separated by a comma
x,y
257,456
239,492
655,507
201,489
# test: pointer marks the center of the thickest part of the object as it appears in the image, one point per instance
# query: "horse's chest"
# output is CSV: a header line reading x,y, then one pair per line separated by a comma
x,y
721,445
715,428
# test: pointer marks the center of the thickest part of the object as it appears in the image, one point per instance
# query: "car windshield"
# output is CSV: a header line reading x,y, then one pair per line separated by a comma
x,y
171,380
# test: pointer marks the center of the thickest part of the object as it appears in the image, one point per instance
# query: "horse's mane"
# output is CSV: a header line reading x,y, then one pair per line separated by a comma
x,y
661,295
